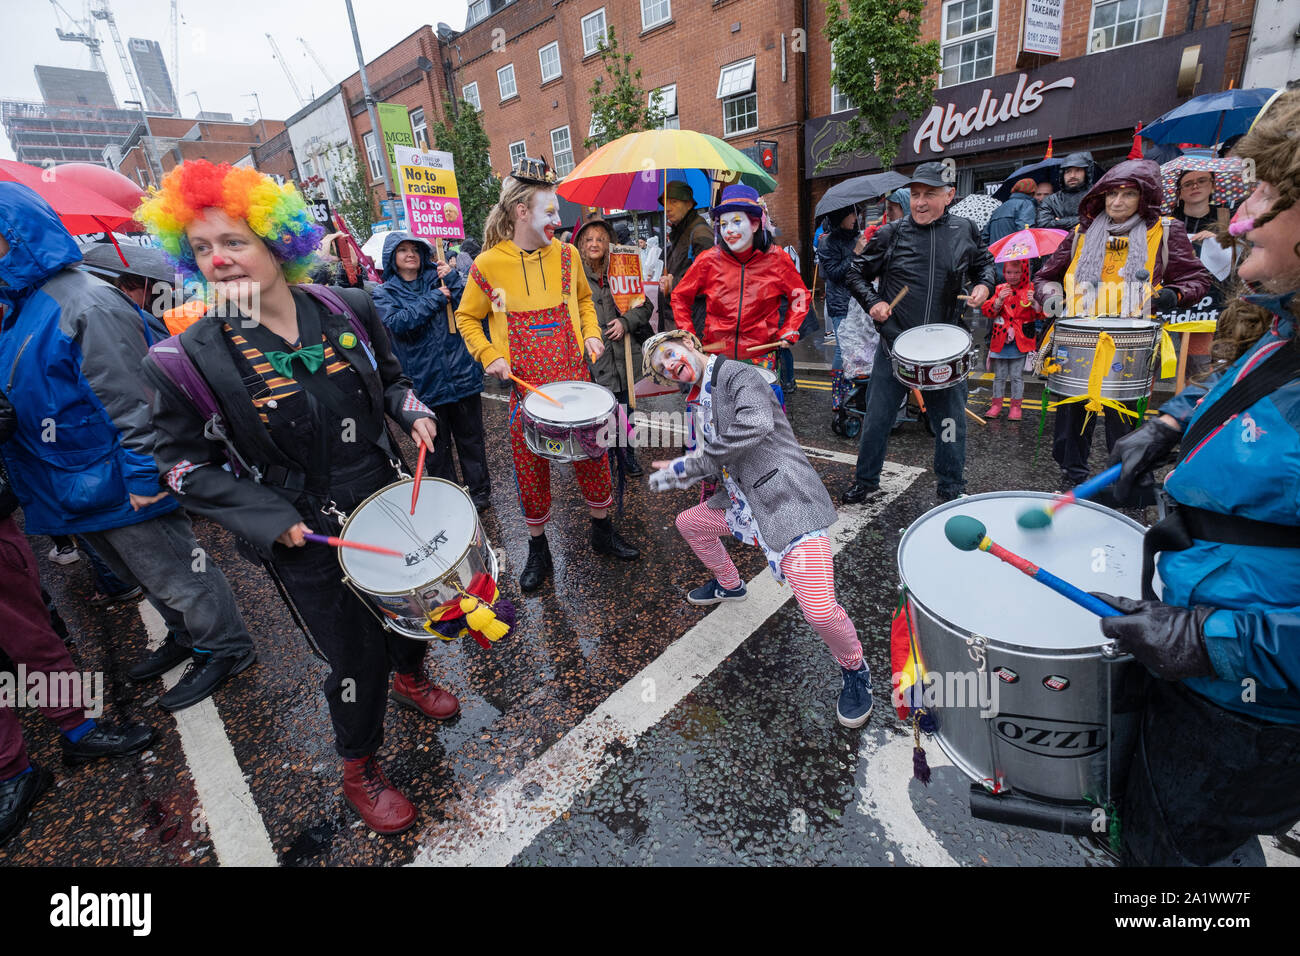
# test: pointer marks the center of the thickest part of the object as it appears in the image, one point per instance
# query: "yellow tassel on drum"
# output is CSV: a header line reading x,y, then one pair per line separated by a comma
x,y
1102,356
483,619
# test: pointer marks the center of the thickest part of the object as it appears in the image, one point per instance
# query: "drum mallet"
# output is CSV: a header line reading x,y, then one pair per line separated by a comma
x,y
334,542
1033,518
419,475
898,298
521,383
969,534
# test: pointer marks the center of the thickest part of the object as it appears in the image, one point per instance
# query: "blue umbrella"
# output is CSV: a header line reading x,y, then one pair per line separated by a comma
x,y
1043,171
1209,119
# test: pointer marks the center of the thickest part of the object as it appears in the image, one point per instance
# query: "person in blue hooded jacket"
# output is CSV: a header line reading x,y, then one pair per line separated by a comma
x,y
1218,757
81,457
413,303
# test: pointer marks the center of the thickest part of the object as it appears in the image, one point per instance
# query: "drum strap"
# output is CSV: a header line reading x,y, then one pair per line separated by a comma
x,y
1185,524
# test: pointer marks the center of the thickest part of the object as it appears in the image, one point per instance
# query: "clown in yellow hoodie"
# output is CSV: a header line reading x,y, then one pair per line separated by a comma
x,y
532,293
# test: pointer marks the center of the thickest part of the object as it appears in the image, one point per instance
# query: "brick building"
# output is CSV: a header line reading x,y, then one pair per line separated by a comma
x,y
172,140
724,68
1121,62
738,69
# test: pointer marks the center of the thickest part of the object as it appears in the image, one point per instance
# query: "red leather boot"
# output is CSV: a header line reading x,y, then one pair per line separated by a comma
x,y
1014,414
415,691
381,805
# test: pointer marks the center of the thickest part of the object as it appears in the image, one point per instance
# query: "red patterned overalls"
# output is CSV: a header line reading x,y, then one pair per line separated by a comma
x,y
544,349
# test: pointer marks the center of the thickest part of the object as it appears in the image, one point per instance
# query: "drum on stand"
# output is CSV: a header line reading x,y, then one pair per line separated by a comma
x,y
578,429
931,357
1074,344
1055,710
443,545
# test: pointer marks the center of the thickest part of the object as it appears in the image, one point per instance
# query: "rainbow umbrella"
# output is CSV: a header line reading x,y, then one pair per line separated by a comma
x,y
631,172
1027,244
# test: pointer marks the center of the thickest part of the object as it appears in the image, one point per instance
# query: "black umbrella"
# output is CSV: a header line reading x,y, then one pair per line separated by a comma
x,y
1043,171
148,261
859,189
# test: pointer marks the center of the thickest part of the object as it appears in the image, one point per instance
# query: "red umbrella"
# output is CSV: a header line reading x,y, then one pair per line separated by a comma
x,y
79,209
1027,244
108,183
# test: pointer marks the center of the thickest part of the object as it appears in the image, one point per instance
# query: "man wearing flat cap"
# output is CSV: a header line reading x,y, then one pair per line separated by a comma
x,y
935,257
689,235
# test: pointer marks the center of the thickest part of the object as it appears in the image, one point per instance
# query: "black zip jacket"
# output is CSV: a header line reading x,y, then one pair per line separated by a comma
x,y
937,262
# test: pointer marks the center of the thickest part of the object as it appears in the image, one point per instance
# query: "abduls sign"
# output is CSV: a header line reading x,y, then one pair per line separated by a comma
x,y
945,124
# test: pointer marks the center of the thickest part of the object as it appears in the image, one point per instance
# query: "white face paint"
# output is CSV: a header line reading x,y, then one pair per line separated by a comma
x,y
737,231
539,226
677,363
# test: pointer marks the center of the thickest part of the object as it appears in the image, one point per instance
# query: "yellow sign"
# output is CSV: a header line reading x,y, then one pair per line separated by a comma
x,y
429,192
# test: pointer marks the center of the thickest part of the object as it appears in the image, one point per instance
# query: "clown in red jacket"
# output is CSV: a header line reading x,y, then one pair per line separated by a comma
x,y
743,279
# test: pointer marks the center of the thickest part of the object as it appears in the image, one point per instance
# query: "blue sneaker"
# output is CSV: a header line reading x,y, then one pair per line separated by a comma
x,y
855,699
715,593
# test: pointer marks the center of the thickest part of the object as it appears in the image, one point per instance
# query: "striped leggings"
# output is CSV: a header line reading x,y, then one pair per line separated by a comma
x,y
807,568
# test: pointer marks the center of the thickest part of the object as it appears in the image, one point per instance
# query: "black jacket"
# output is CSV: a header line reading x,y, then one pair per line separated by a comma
x,y
835,256
259,513
936,262
686,241
610,370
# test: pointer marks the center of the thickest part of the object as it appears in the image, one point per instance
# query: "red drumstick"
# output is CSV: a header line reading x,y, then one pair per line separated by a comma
x,y
419,473
520,381
340,543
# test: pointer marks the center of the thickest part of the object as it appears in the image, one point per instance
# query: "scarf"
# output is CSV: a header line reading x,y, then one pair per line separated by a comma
x,y
1087,274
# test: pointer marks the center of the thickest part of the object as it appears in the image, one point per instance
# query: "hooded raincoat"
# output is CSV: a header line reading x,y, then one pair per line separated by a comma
x,y
431,352
70,352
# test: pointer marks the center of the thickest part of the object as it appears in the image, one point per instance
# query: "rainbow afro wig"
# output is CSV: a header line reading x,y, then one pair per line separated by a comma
x,y
275,213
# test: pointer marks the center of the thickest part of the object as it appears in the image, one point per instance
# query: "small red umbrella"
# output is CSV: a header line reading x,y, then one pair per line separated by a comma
x,y
79,209
1027,244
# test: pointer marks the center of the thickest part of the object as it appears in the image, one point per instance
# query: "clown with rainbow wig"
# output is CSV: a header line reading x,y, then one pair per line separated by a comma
x,y
298,380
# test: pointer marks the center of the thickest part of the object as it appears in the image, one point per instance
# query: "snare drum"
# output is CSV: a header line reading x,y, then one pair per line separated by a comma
x,y
1030,695
443,544
1074,343
931,357
577,430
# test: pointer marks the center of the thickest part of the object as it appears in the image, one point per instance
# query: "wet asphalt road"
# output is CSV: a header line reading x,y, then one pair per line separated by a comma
x,y
749,766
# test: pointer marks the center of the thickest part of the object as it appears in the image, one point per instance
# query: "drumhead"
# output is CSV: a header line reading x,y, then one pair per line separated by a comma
x,y
1089,546
932,343
1109,323
580,403
434,540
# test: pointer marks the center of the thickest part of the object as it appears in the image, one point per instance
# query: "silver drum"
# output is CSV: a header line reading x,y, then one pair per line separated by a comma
x,y
1057,711
578,429
443,549
1074,342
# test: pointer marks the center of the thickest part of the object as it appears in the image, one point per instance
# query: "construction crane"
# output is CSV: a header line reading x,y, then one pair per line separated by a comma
x,y
312,53
284,65
176,57
83,32
100,10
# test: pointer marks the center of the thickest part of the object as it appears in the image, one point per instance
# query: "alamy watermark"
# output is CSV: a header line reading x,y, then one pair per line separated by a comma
x,y
79,690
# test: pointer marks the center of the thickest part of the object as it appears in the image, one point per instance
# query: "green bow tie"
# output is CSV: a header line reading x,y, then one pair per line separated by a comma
x,y
313,357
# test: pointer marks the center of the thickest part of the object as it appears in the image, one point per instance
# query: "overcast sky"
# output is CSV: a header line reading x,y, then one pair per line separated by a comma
x,y
223,47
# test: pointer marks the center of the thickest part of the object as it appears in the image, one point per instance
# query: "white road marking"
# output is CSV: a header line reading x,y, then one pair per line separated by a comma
x,y
490,831
234,824
884,797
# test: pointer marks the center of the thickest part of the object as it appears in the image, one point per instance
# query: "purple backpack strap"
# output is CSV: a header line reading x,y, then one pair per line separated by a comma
x,y
338,305
170,356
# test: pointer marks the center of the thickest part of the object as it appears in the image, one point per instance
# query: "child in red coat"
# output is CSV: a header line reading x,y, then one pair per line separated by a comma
x,y
1014,313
